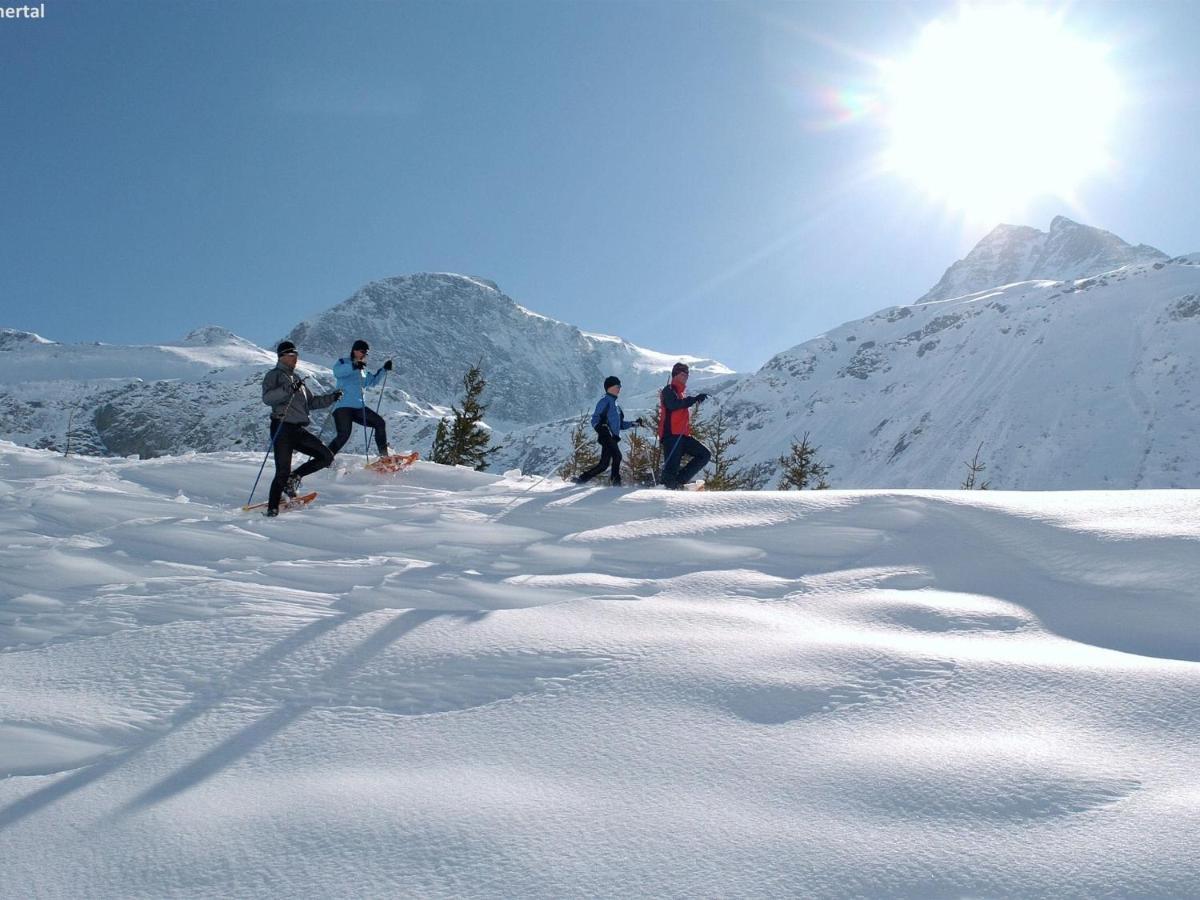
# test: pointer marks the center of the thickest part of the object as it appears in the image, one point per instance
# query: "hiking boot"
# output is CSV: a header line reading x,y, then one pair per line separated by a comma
x,y
271,513
292,487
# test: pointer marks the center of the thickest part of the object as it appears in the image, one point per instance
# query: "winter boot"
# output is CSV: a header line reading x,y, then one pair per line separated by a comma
x,y
292,488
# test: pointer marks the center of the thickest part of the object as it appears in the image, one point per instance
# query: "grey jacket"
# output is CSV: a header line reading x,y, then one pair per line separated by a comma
x,y
279,391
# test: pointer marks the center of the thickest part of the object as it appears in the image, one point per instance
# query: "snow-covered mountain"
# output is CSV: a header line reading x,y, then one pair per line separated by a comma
x,y
1085,383
200,393
1066,381
1012,253
437,325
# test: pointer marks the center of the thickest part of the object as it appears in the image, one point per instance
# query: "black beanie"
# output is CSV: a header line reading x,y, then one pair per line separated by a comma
x,y
360,344
610,381
285,347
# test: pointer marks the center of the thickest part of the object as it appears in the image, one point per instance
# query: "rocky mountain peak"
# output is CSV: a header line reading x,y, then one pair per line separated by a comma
x,y
1013,253
213,336
12,338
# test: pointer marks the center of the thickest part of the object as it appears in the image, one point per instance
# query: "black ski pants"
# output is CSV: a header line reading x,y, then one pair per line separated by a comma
x,y
291,437
610,455
676,448
345,419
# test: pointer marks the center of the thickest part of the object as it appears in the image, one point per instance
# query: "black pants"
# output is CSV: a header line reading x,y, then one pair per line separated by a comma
x,y
675,449
345,419
294,437
610,455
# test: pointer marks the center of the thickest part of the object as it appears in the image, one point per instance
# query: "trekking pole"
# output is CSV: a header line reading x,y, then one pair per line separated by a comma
x,y
328,417
366,437
653,467
271,443
382,388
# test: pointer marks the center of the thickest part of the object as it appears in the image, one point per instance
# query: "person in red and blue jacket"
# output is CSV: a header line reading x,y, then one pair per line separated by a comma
x,y
609,422
675,430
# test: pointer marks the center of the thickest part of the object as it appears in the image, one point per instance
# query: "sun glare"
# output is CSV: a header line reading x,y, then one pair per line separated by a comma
x,y
998,106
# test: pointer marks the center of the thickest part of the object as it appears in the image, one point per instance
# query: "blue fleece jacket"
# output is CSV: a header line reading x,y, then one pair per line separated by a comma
x,y
608,413
352,382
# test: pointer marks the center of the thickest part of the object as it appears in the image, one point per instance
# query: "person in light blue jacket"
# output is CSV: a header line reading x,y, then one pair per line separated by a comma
x,y
609,422
352,379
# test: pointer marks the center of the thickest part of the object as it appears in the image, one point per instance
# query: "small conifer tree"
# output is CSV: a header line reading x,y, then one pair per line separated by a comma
x,y
802,469
584,454
720,474
465,441
639,459
974,469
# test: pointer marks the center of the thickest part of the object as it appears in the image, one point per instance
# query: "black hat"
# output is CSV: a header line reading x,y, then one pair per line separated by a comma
x,y
679,367
284,348
360,344
610,381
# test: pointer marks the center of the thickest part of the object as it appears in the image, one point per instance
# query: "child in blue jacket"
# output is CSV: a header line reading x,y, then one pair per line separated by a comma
x,y
609,422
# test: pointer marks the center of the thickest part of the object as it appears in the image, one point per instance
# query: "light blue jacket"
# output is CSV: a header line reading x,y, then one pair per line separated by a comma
x,y
610,414
352,382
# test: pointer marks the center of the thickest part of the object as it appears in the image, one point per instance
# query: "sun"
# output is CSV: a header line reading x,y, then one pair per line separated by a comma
x,y
998,106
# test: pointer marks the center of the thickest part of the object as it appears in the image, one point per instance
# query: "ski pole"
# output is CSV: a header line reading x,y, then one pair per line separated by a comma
x,y
382,388
653,467
366,442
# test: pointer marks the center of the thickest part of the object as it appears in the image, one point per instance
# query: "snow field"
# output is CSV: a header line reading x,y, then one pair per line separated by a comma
x,y
450,683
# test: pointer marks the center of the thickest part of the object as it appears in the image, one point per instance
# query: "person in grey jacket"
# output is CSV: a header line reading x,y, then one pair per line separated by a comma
x,y
290,401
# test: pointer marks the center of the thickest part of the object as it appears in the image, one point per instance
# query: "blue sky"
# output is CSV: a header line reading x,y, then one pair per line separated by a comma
x,y
665,171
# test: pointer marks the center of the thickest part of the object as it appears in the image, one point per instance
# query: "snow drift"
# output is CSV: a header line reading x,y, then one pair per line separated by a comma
x,y
453,684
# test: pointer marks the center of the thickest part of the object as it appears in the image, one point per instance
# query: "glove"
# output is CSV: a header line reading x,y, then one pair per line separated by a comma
x,y
639,423
700,398
603,430
297,385
337,395
359,364
388,366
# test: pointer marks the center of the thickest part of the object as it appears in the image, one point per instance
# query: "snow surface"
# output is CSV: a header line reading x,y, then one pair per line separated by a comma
x,y
458,684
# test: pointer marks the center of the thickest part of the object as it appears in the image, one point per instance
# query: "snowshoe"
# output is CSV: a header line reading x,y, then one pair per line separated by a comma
x,y
287,505
395,462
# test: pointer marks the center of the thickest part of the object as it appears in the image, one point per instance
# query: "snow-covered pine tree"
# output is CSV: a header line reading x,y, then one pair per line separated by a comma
x,y
801,468
464,442
584,454
720,474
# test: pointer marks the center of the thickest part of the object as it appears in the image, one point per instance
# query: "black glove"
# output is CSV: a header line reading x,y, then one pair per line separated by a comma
x,y
359,363
603,430
700,398
337,395
297,384
639,423
388,366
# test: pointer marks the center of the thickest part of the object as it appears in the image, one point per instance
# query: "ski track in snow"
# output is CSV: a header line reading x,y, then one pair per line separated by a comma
x,y
448,683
